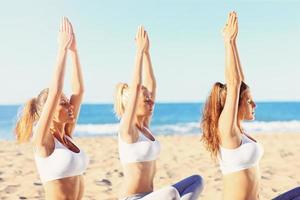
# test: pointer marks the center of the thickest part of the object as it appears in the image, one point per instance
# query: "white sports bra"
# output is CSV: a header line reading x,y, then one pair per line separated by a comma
x,y
245,156
61,163
141,151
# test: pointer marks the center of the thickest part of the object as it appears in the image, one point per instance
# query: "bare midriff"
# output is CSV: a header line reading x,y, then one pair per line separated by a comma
x,y
70,188
138,178
242,185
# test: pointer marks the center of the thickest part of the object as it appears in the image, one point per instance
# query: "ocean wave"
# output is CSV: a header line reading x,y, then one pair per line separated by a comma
x,y
273,126
191,128
96,129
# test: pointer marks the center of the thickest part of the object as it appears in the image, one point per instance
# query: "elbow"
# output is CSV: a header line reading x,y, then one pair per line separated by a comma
x,y
135,88
79,90
137,83
154,85
236,81
56,90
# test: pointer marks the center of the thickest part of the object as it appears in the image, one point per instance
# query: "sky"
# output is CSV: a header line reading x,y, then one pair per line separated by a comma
x,y
186,46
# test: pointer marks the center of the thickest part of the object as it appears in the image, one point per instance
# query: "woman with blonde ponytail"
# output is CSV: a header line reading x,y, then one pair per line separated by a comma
x,y
138,147
48,121
25,124
227,106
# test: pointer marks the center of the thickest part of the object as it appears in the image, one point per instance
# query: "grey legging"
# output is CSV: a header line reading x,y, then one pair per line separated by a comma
x,y
293,194
186,189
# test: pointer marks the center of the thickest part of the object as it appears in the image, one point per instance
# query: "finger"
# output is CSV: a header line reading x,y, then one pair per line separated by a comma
x,y
68,25
145,34
234,15
71,28
137,33
232,19
228,18
140,32
61,24
236,26
65,24
147,38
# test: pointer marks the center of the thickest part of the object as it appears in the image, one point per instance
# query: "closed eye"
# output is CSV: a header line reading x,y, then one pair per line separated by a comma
x,y
250,102
63,103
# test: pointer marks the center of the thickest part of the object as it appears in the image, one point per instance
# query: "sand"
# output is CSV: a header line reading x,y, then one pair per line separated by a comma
x,y
181,156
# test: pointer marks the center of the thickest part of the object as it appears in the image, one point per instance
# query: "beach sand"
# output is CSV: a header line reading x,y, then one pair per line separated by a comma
x,y
181,156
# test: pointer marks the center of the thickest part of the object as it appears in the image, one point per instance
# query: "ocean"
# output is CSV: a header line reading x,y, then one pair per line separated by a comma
x,y
168,118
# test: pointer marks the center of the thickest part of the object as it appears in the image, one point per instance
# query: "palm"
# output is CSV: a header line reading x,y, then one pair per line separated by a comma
x,y
231,28
64,36
73,46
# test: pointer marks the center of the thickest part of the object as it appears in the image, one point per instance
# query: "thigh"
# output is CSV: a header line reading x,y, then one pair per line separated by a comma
x,y
81,187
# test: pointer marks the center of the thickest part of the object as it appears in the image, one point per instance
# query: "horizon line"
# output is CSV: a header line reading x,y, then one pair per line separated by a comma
x,y
171,102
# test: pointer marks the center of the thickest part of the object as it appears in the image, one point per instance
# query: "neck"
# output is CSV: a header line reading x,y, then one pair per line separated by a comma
x,y
58,128
139,121
239,124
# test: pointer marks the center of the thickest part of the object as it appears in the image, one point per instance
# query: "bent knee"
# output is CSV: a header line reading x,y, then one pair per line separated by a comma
x,y
197,178
199,181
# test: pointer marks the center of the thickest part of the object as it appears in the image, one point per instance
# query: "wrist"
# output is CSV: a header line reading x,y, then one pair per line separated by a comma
x,y
73,52
139,52
229,42
62,50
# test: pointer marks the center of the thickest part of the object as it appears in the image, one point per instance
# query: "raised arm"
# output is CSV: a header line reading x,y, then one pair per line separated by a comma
x,y
127,128
77,84
228,118
43,136
148,75
237,57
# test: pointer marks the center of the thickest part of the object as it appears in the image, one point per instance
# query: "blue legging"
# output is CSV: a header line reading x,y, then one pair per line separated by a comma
x,y
190,188
293,194
186,189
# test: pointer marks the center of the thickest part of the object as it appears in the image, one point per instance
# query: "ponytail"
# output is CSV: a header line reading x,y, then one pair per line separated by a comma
x,y
121,98
210,118
24,126
211,113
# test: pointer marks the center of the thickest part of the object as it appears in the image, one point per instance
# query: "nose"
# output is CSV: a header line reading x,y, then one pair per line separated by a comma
x,y
254,105
151,102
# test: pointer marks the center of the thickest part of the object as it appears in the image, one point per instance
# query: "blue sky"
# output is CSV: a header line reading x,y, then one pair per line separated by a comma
x,y
186,46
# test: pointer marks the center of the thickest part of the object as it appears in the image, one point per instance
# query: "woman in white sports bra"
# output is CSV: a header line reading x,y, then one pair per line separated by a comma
x,y
138,148
48,120
227,106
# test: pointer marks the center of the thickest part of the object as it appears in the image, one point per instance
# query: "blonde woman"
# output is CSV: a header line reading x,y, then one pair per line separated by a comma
x,y
138,147
226,108
48,120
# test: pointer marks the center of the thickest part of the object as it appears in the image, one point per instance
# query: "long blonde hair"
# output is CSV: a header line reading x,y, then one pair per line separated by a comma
x,y
29,115
121,99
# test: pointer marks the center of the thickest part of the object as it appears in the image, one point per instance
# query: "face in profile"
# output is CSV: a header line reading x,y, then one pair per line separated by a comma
x,y
247,106
145,103
64,111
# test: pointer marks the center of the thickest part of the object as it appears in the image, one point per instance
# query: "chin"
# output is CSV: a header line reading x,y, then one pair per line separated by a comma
x,y
251,118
